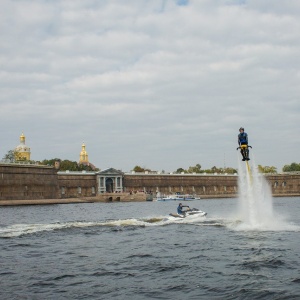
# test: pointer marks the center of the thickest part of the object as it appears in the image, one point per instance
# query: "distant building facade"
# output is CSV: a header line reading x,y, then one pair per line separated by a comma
x,y
110,181
25,181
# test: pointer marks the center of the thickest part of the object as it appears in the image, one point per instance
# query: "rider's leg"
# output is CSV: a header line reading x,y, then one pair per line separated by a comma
x,y
243,154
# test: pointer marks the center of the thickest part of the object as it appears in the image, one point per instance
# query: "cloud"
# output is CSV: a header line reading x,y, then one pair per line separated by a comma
x,y
164,84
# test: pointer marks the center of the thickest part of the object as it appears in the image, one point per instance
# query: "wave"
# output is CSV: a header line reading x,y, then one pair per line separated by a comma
x,y
278,223
17,230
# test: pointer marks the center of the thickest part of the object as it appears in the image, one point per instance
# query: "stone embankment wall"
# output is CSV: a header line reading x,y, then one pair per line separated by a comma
x,y
284,184
207,186
202,185
77,184
119,197
27,182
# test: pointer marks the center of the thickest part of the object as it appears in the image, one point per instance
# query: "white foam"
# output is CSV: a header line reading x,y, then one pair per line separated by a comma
x,y
23,229
256,202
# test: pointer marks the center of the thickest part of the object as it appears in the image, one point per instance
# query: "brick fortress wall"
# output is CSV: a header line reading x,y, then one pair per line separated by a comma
x,y
77,184
26,182
207,186
29,182
202,185
284,184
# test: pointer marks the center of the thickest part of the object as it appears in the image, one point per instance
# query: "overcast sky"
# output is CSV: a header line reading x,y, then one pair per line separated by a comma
x,y
158,83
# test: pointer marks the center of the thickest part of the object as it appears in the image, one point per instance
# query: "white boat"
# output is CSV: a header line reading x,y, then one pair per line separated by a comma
x,y
178,197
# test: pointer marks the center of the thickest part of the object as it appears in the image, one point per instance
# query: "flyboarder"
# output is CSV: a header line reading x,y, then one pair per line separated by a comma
x,y
243,144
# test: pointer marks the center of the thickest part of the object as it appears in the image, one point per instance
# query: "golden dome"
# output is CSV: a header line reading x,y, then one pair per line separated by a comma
x,y
22,151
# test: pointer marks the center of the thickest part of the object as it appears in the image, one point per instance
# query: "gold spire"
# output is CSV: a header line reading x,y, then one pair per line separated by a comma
x,y
83,158
22,138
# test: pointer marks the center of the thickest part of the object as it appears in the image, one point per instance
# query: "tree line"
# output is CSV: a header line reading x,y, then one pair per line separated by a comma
x,y
65,164
291,168
197,169
68,165
192,169
75,166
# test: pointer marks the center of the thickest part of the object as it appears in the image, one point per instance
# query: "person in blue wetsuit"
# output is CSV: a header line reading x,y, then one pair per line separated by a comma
x,y
243,140
179,209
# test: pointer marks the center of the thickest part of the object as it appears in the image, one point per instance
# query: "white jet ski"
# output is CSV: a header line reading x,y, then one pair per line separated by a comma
x,y
190,212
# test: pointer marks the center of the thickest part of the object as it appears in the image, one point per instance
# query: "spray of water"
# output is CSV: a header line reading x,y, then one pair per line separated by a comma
x,y
255,198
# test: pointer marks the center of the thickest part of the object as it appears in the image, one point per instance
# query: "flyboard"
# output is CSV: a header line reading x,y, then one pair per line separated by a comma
x,y
245,153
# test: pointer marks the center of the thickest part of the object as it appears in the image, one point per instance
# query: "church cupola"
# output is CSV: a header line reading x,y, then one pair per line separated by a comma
x,y
22,152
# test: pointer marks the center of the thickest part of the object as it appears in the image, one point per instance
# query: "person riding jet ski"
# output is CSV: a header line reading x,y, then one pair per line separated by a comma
x,y
181,214
180,207
243,143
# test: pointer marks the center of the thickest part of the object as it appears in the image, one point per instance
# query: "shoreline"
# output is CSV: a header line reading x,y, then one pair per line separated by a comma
x,y
105,200
42,202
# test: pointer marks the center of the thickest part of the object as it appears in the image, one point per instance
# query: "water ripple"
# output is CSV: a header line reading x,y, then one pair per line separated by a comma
x,y
116,255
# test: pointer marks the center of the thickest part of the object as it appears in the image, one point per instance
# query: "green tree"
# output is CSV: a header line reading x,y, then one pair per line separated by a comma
x,y
49,162
267,169
230,170
194,169
69,165
180,170
291,168
197,169
10,155
138,169
87,167
214,169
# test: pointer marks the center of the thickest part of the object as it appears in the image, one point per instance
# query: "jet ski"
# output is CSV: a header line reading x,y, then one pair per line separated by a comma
x,y
190,212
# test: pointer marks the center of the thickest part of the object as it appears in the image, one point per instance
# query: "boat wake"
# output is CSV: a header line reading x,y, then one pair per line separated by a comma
x,y
17,230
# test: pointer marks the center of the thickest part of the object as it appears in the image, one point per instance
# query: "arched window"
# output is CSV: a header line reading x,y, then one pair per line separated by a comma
x,y
284,184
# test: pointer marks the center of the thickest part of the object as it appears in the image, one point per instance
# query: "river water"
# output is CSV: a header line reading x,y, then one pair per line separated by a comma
x,y
135,251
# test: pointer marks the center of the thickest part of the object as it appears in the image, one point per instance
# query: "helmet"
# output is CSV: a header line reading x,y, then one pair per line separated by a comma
x,y
241,128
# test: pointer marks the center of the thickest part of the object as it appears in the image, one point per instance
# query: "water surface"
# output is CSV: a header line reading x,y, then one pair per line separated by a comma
x,y
134,251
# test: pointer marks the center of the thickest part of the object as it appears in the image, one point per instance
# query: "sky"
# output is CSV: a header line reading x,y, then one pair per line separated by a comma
x,y
163,84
